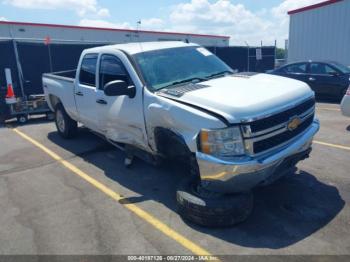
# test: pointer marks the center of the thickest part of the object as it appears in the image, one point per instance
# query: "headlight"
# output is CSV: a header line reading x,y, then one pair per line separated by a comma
x,y
221,142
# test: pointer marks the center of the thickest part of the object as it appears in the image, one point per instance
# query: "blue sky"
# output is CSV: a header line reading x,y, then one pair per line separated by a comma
x,y
245,20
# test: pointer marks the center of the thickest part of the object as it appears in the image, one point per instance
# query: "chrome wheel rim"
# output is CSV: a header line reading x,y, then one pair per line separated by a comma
x,y
60,121
22,119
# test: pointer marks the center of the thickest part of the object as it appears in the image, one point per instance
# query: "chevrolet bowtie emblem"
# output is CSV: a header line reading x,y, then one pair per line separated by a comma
x,y
294,123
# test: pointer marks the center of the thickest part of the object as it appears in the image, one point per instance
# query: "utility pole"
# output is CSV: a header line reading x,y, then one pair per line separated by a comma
x,y
275,53
248,47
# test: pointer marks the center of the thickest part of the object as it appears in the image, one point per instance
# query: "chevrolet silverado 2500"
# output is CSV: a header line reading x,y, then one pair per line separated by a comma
x,y
178,100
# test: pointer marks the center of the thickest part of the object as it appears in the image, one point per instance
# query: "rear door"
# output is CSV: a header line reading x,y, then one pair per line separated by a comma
x,y
85,92
121,118
325,79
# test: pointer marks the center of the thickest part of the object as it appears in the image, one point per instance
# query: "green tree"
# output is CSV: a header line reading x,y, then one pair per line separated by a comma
x,y
280,53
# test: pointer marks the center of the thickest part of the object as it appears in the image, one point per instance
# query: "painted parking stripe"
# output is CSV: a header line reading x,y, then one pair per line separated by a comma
x,y
156,223
328,108
332,145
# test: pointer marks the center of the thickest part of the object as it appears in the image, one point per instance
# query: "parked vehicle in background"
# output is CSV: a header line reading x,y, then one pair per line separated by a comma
x,y
179,101
345,104
326,78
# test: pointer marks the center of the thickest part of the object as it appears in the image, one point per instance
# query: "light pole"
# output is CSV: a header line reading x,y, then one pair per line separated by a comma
x,y
248,47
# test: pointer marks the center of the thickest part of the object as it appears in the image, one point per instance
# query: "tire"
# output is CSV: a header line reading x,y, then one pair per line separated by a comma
x,y
66,126
212,211
22,119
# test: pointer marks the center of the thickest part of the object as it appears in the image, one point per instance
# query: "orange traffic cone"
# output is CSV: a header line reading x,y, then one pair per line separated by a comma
x,y
10,96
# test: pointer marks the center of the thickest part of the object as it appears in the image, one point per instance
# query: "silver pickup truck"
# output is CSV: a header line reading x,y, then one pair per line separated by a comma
x,y
178,100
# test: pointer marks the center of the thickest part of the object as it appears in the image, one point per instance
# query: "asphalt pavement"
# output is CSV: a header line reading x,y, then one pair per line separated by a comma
x,y
76,197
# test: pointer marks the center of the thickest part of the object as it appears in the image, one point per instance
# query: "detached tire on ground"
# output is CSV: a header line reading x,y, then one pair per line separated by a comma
x,y
215,210
66,126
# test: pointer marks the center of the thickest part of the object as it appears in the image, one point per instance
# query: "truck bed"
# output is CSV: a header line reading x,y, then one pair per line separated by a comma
x,y
68,75
59,87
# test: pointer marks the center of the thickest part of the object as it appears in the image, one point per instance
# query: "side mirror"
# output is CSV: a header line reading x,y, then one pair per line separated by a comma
x,y
119,88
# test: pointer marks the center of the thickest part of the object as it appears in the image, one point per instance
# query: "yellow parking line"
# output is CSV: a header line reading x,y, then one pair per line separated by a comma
x,y
156,223
328,108
332,145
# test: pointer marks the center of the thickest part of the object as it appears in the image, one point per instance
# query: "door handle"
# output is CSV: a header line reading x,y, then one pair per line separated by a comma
x,y
79,93
101,101
311,79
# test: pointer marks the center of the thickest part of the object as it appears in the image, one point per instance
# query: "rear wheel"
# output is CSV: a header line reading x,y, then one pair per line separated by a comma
x,y
66,126
211,209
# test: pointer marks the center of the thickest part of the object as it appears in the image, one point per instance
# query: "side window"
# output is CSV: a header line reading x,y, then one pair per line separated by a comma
x,y
322,69
87,75
111,69
330,70
296,68
318,69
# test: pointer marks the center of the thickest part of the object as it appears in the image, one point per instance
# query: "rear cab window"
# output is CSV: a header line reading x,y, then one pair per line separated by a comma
x,y
87,74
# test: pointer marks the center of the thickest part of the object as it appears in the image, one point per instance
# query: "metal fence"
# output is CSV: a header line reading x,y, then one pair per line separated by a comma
x,y
250,59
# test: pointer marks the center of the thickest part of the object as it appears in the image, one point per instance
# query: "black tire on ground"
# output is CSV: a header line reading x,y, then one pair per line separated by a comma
x,y
22,119
66,126
212,211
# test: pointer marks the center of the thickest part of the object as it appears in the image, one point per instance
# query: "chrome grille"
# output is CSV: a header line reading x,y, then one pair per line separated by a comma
x,y
270,132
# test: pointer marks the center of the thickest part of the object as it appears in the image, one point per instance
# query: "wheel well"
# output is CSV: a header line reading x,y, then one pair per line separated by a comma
x,y
54,100
171,144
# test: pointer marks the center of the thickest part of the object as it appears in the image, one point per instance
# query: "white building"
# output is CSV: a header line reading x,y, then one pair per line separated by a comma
x,y
30,32
320,32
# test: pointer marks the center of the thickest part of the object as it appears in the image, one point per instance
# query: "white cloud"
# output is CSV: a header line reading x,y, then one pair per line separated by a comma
x,y
82,7
221,17
281,18
3,18
281,10
103,24
103,12
152,23
146,24
235,20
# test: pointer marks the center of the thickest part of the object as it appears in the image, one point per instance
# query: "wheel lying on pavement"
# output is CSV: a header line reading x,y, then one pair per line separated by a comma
x,y
212,209
66,126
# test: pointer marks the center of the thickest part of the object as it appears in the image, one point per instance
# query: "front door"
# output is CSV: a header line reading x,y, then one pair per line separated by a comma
x,y
120,117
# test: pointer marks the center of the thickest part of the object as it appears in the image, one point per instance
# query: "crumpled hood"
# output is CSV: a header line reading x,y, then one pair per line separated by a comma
x,y
239,97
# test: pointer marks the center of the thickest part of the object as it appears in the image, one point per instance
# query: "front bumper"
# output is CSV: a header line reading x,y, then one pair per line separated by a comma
x,y
242,174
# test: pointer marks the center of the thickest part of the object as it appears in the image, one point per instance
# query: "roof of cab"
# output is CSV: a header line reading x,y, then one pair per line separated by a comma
x,y
139,47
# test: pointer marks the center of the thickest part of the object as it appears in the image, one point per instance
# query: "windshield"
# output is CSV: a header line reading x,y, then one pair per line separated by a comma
x,y
344,69
166,67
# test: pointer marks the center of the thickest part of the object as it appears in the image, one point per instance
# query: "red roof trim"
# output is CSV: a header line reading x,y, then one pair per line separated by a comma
x,y
109,29
310,7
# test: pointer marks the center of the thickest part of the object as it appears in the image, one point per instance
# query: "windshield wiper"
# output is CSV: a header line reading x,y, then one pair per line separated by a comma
x,y
222,73
188,80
